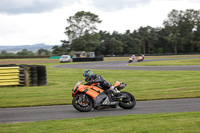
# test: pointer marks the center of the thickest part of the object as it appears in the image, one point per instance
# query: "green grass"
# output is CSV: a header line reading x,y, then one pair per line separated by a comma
x,y
169,63
144,85
145,123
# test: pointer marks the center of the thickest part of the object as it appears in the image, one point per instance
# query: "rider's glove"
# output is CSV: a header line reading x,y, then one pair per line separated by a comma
x,y
111,88
115,90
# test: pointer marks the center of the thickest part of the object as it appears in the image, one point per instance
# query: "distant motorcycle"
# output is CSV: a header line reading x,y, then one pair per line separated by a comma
x,y
86,97
131,60
141,58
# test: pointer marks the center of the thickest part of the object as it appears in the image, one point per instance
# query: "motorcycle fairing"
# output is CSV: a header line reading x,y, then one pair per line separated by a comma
x,y
92,91
104,99
98,100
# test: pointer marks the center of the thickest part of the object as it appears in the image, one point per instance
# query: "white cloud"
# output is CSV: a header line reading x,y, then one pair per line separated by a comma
x,y
48,26
115,5
32,6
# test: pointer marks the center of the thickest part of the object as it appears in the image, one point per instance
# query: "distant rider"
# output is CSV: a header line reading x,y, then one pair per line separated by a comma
x,y
141,58
91,78
133,56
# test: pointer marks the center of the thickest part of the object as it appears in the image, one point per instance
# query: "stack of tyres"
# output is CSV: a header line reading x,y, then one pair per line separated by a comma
x,y
33,75
42,80
21,76
9,75
25,75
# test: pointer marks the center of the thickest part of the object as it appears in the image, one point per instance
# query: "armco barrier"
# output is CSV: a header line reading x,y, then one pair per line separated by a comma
x,y
23,75
87,59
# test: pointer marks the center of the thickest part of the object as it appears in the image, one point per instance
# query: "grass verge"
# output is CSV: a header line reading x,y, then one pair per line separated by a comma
x,y
144,85
144,123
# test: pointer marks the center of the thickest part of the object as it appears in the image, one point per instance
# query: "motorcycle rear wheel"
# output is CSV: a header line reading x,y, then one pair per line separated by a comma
x,y
82,106
129,102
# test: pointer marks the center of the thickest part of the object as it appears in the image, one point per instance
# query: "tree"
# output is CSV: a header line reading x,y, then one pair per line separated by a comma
x,y
116,46
152,39
171,26
181,27
129,43
80,24
87,42
162,43
102,49
188,25
196,36
144,33
44,52
64,49
3,52
81,34
25,52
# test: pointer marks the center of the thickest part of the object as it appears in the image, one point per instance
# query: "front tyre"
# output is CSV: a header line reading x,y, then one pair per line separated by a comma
x,y
128,101
82,105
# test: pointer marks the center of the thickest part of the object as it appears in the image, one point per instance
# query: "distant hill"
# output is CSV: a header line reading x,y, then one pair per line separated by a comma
x,y
34,47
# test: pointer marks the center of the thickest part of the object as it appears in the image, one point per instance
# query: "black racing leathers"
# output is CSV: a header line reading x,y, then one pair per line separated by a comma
x,y
99,79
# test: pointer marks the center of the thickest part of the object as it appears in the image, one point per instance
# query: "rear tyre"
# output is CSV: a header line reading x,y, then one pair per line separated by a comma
x,y
128,102
82,106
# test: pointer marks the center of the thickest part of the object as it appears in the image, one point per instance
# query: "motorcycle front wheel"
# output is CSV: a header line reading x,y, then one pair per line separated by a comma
x,y
82,105
128,102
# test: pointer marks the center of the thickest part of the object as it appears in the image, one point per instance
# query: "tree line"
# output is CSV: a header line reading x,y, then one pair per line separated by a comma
x,y
180,34
25,52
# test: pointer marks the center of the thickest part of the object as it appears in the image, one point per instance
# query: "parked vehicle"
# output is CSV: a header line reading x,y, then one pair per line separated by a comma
x,y
86,97
65,58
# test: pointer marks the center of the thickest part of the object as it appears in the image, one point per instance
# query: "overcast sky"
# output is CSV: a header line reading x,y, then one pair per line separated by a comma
x,y
28,22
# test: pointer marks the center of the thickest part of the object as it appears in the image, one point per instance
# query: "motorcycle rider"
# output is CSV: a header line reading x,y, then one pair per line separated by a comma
x,y
91,78
141,58
133,56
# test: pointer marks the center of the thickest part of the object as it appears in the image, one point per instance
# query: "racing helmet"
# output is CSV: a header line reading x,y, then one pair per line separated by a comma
x,y
87,74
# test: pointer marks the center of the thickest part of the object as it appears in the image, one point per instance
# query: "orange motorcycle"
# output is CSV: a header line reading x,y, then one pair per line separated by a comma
x,y
86,97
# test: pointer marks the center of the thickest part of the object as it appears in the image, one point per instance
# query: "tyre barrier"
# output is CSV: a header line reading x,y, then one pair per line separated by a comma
x,y
9,75
23,75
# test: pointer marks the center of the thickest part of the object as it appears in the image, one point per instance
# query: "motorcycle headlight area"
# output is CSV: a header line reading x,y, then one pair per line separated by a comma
x,y
75,88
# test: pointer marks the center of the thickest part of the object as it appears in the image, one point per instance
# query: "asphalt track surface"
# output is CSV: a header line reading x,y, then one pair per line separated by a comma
x,y
29,114
123,65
